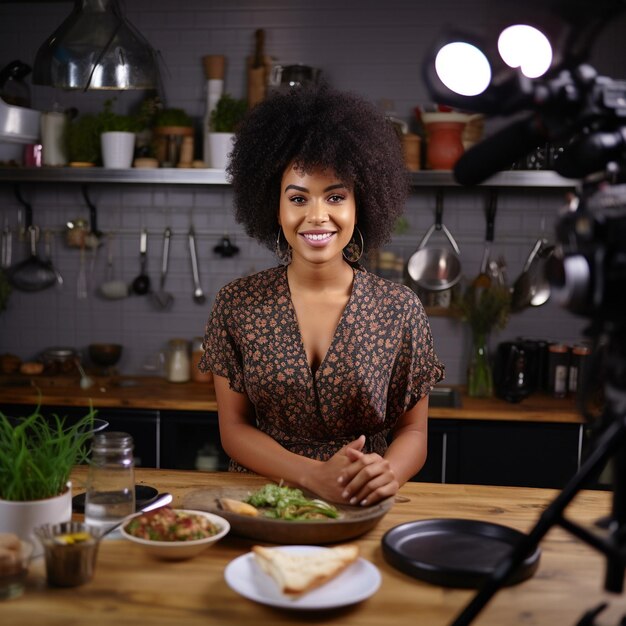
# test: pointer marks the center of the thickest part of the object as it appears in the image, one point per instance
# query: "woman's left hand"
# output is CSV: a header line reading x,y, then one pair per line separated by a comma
x,y
368,479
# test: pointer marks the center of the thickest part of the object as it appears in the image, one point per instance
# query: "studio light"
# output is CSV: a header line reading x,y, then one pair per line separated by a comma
x,y
463,68
525,47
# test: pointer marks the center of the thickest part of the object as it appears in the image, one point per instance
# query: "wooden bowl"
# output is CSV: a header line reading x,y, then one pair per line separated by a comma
x,y
105,354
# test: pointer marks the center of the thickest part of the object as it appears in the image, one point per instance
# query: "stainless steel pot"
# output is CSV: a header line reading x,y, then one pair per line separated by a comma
x,y
436,268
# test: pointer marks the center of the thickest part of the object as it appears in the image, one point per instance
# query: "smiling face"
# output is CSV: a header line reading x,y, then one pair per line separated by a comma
x,y
317,214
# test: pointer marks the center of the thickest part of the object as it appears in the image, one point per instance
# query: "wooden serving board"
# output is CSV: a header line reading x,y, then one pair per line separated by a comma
x,y
353,521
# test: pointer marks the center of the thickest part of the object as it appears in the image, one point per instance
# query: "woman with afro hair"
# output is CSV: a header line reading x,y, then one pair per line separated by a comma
x,y
322,369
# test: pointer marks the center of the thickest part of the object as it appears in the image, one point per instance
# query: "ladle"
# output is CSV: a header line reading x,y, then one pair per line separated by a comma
x,y
141,284
32,274
161,298
198,295
162,500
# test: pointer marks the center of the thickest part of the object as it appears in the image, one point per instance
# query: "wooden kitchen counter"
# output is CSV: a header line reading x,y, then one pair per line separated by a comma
x,y
145,392
131,588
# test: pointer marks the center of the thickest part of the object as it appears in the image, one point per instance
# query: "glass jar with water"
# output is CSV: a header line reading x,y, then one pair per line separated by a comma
x,y
110,494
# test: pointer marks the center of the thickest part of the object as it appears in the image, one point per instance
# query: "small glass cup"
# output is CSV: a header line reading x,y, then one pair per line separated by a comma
x,y
12,579
70,551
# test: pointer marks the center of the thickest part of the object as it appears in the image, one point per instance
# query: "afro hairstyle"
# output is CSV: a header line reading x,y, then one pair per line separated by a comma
x,y
318,127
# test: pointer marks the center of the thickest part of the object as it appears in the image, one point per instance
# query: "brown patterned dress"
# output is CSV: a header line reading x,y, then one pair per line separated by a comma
x,y
380,362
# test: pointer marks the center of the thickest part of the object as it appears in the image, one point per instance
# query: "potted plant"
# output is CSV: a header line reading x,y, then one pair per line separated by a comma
x,y
117,137
225,117
173,138
83,141
36,457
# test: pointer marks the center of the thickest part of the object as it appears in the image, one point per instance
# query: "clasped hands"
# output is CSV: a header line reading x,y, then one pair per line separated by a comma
x,y
354,477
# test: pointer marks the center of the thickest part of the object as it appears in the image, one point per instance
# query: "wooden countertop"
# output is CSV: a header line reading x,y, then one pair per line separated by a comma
x,y
131,588
145,392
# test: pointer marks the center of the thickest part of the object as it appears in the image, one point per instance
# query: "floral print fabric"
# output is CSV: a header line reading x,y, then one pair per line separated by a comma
x,y
380,362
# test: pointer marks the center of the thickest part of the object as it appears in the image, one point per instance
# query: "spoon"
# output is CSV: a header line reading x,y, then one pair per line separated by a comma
x,y
85,381
141,284
198,295
162,500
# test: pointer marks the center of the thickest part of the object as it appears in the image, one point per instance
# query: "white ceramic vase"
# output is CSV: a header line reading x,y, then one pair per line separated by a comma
x,y
220,147
118,148
21,518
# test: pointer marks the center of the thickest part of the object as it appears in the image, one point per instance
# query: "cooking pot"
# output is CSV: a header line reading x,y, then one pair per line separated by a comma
x,y
293,75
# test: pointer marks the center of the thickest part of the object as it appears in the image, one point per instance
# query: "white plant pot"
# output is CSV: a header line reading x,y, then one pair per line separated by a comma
x,y
118,149
21,518
220,147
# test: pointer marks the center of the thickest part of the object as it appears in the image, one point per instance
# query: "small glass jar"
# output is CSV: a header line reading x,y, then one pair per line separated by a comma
x,y
110,494
178,363
197,351
558,366
577,367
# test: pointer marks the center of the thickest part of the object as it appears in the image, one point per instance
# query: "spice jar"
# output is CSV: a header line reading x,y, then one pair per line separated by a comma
x,y
178,364
197,351
558,364
110,493
577,366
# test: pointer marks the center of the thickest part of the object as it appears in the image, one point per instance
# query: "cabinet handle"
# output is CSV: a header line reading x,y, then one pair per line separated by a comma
x,y
444,450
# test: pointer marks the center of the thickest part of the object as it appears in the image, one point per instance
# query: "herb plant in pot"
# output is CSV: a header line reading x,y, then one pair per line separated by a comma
x,y
173,138
225,117
117,137
83,141
37,455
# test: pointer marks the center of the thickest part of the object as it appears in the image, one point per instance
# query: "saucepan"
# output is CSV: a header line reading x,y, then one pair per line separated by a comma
x,y
436,268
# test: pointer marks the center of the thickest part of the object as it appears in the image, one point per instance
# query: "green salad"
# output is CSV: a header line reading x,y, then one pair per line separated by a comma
x,y
288,503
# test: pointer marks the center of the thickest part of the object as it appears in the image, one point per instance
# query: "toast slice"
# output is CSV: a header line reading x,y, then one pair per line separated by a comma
x,y
297,574
237,506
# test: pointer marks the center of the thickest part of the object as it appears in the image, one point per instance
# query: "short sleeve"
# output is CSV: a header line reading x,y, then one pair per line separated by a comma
x,y
221,352
425,369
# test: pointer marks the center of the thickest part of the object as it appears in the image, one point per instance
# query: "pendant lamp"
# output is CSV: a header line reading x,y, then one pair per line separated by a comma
x,y
96,47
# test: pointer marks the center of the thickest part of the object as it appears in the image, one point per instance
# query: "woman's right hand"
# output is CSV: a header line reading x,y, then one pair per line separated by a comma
x,y
324,480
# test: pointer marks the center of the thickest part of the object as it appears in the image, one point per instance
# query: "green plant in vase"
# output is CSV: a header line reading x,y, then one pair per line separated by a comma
x,y
37,454
83,140
484,309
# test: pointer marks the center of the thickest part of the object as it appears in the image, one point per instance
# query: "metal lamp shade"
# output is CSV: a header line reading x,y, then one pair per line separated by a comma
x,y
96,47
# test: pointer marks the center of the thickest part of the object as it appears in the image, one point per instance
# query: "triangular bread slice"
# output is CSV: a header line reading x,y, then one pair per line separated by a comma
x,y
296,574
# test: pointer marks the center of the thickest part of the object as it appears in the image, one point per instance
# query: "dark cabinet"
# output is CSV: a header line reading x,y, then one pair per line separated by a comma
x,y
141,424
518,454
191,440
483,452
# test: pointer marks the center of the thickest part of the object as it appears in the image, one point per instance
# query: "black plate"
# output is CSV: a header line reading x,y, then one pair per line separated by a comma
x,y
454,552
144,494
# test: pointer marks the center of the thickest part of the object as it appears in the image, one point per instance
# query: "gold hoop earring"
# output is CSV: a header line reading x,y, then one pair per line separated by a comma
x,y
353,251
284,256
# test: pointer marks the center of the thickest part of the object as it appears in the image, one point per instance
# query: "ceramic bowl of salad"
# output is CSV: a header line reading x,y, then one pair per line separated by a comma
x,y
175,534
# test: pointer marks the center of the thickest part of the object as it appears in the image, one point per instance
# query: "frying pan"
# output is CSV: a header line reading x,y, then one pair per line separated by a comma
x,y
436,268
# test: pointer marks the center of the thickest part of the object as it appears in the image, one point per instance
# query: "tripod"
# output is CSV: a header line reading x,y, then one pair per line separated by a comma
x,y
611,443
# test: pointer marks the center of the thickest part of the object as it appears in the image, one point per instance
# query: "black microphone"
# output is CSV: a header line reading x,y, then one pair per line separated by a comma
x,y
500,151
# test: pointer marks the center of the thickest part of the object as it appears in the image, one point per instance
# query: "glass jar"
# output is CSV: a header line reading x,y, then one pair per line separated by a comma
x,y
479,373
558,365
577,367
178,364
197,351
110,494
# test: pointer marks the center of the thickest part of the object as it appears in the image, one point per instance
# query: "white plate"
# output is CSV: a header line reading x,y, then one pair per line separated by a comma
x,y
356,583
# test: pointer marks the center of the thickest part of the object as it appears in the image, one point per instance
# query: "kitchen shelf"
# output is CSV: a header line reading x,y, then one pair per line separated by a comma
x,y
198,176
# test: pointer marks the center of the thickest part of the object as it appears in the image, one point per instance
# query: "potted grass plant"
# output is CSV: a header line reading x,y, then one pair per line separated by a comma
x,y
37,455
225,118
117,137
